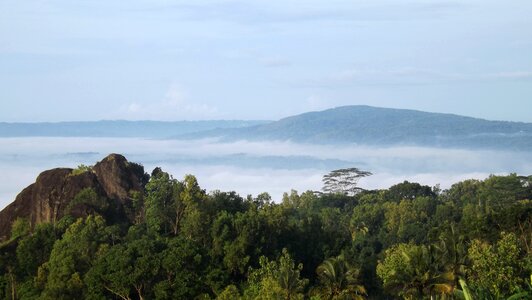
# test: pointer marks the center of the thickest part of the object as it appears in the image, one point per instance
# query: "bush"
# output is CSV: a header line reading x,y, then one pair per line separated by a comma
x,y
81,169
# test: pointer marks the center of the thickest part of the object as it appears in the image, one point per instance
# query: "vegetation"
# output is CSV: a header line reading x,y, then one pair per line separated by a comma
x,y
472,241
366,125
344,181
80,170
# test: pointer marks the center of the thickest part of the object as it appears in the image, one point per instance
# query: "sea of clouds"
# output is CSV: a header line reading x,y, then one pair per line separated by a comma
x,y
255,167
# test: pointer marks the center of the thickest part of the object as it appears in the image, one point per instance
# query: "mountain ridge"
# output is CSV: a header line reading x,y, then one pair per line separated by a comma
x,y
116,128
362,124
354,124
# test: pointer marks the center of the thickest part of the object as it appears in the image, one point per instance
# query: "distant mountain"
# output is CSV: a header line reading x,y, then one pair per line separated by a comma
x,y
364,125
150,129
383,126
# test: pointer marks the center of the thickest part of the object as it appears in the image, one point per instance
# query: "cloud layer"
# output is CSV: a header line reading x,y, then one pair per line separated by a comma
x,y
253,167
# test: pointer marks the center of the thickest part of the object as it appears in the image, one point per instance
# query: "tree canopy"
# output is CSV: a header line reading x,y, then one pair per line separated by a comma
x,y
344,181
407,242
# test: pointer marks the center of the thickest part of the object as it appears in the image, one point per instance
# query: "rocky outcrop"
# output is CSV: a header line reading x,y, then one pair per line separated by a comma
x,y
46,200
117,176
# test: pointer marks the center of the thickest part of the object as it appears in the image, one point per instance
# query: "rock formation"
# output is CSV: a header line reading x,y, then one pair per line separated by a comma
x,y
46,200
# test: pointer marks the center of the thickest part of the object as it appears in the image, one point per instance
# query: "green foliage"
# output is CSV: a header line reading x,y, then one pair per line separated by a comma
x,y
408,191
20,228
229,293
409,220
88,201
126,269
409,241
81,169
339,280
344,181
497,268
278,279
72,256
172,206
182,265
413,271
34,250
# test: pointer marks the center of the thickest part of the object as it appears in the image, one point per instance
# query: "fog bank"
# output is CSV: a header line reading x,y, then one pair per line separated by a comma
x,y
255,167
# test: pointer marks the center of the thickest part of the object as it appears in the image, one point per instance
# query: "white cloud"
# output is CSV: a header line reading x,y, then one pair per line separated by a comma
x,y
175,105
22,159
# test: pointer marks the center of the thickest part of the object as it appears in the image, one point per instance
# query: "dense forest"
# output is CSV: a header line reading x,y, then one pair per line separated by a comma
x,y
472,241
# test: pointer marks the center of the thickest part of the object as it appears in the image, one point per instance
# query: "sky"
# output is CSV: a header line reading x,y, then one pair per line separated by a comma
x,y
263,59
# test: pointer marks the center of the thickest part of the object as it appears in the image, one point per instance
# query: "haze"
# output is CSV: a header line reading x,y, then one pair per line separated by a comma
x,y
254,167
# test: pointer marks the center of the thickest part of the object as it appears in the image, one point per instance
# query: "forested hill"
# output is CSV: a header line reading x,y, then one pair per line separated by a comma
x,y
115,232
364,125
149,129
385,126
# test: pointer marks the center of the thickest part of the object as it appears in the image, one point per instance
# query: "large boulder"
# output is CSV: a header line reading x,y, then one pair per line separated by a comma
x,y
117,176
46,200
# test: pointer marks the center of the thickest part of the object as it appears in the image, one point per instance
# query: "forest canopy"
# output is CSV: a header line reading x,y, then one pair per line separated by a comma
x,y
471,241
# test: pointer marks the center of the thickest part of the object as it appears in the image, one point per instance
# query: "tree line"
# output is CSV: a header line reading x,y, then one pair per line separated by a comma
x,y
472,241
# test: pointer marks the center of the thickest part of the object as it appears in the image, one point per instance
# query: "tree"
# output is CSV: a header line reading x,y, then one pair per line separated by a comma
x,y
20,228
408,220
413,271
87,201
453,252
172,206
164,206
72,257
126,270
497,268
499,191
339,280
181,270
408,191
278,279
229,293
344,181
35,249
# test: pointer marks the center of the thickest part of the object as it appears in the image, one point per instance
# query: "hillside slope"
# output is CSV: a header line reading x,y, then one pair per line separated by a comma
x,y
384,126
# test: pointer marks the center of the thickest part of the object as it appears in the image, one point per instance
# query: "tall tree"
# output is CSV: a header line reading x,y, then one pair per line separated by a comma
x,y
344,181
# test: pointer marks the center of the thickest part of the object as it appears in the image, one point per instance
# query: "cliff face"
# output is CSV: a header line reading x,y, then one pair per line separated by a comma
x,y
117,177
113,178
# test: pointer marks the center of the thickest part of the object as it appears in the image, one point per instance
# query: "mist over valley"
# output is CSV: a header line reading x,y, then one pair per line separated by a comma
x,y
252,167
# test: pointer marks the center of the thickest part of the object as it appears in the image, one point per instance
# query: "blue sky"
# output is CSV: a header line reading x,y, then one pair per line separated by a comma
x,y
262,59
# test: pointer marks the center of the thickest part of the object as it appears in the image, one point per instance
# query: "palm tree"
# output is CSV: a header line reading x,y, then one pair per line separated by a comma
x,y
453,251
288,276
339,280
417,271
429,271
